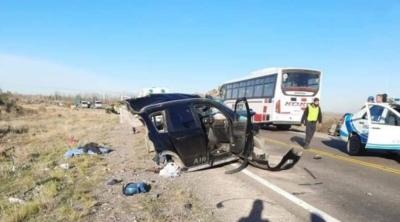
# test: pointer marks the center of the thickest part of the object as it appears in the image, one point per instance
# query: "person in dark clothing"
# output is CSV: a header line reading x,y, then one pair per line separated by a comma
x,y
312,114
384,98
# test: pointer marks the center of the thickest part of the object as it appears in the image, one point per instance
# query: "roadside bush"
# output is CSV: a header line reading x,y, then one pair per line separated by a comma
x,y
5,101
4,97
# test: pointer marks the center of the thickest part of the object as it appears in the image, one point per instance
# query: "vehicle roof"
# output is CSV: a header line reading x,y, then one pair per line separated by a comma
x,y
137,104
266,71
396,107
176,102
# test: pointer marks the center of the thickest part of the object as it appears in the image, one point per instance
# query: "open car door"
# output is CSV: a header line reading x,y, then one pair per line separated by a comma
x,y
383,128
243,143
242,135
242,131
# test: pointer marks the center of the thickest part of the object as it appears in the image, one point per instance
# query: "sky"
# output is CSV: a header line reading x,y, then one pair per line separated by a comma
x,y
193,46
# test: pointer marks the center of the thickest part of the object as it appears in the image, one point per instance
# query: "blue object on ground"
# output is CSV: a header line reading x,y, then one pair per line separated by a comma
x,y
134,188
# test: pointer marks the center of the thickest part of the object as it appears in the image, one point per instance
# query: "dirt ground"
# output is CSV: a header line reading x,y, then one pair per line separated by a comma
x,y
207,195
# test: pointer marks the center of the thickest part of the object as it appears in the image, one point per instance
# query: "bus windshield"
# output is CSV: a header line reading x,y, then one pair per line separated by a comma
x,y
300,83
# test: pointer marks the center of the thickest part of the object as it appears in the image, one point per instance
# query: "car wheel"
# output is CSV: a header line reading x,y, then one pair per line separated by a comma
x,y
354,146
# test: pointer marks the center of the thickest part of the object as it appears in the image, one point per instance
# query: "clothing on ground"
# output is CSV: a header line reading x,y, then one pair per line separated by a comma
x,y
80,151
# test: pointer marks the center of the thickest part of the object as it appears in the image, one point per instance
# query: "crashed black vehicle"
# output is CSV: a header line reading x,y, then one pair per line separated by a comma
x,y
198,133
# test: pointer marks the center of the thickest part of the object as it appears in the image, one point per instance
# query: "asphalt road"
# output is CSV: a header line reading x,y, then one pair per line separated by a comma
x,y
348,188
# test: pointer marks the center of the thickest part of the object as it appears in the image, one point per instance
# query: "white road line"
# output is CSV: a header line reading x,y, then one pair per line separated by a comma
x,y
289,196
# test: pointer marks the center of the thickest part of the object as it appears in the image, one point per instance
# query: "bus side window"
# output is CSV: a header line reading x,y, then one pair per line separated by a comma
x,y
249,91
235,93
258,90
269,89
228,94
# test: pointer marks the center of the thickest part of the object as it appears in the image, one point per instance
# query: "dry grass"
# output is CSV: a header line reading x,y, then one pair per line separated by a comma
x,y
34,140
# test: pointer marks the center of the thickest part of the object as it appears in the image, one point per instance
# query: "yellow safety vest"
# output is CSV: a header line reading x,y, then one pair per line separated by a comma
x,y
312,113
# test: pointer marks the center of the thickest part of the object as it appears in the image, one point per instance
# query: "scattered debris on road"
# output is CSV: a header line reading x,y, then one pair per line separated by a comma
x,y
298,193
317,157
309,172
309,184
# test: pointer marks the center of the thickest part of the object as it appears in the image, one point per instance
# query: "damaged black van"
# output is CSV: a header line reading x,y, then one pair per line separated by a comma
x,y
199,132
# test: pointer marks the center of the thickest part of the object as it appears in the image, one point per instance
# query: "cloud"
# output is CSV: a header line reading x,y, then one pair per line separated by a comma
x,y
26,75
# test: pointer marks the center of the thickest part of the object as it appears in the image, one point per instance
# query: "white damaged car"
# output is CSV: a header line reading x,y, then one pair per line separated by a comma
x,y
375,127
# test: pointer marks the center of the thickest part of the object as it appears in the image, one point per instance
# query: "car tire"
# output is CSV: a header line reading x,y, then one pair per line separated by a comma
x,y
354,146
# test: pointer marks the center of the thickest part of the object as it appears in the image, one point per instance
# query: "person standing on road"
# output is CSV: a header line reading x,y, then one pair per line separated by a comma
x,y
312,114
370,99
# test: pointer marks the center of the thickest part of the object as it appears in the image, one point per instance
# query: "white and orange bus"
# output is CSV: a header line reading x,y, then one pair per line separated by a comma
x,y
277,95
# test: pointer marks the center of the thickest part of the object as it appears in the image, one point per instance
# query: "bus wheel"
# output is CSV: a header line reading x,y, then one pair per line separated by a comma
x,y
283,127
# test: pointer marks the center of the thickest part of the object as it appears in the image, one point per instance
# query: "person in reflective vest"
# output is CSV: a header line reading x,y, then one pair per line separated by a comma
x,y
312,114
